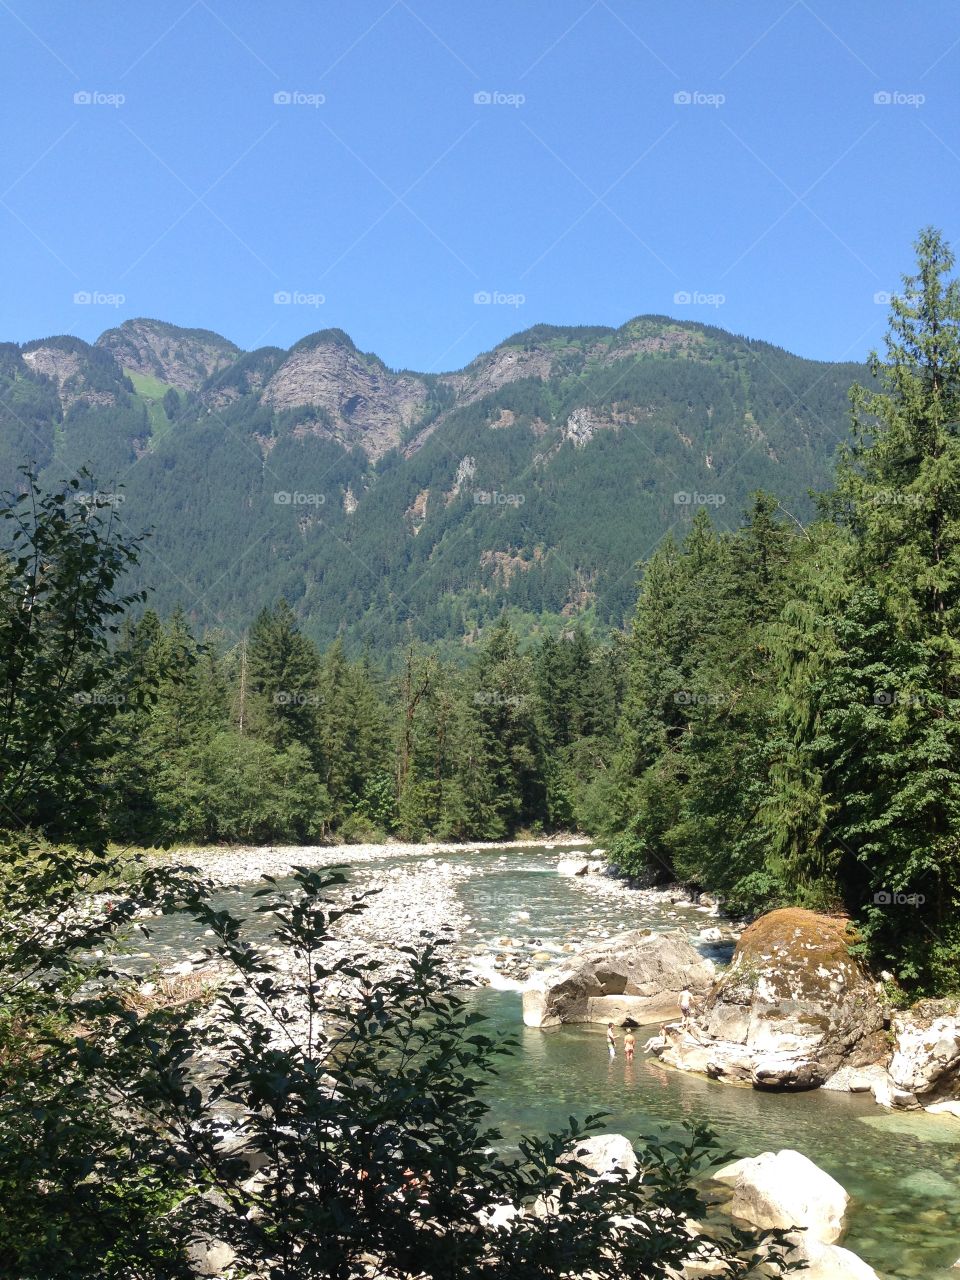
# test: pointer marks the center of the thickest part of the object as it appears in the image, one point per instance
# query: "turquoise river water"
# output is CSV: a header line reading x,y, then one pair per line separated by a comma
x,y
901,1170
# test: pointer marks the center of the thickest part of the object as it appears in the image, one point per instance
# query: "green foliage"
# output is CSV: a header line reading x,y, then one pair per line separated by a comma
x,y
362,1108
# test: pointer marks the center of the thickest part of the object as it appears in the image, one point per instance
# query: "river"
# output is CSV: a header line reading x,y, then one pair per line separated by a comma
x,y
901,1169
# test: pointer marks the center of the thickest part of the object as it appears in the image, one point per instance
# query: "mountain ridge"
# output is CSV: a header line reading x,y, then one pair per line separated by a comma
x,y
532,479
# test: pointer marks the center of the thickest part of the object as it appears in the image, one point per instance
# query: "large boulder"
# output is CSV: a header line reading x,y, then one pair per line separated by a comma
x,y
829,1262
785,1189
792,1009
633,977
926,1059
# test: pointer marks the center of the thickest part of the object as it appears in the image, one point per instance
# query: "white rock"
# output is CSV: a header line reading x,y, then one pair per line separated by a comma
x,y
925,1056
500,1217
887,1094
830,1262
857,1079
572,867
950,1108
712,934
607,1154
785,1189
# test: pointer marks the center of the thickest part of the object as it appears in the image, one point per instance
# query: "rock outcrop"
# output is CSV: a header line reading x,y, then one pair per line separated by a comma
x,y
792,1009
360,402
80,373
926,1057
636,976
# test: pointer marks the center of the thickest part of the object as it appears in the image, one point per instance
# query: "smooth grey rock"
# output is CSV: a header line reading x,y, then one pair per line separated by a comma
x,y
605,1154
636,976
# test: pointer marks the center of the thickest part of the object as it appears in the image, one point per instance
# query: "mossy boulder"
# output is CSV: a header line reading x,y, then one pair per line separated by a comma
x,y
793,1007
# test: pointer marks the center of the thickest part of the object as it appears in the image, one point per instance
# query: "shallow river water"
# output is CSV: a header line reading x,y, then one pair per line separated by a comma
x,y
901,1170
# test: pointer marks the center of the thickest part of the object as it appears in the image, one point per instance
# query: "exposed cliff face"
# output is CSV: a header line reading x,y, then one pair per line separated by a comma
x,y
185,358
361,401
81,373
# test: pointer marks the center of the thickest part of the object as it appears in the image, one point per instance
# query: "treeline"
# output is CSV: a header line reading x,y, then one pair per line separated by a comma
x,y
272,739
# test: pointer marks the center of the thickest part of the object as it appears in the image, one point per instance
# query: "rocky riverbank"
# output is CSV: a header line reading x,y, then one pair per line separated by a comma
x,y
421,890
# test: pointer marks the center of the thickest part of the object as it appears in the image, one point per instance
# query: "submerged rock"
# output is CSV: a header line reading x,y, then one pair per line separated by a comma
x,y
791,1010
636,976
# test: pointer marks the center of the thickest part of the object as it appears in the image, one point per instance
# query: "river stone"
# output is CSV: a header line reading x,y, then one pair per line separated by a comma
x,y
830,1262
857,1079
793,1007
605,1154
635,976
573,866
785,1189
951,1108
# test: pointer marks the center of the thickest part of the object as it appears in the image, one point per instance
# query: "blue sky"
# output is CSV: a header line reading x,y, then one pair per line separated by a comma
x,y
621,158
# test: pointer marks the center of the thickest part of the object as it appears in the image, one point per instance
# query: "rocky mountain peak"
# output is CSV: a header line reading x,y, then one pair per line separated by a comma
x,y
185,358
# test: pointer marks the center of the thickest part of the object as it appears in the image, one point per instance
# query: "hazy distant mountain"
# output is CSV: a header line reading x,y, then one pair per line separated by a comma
x,y
385,502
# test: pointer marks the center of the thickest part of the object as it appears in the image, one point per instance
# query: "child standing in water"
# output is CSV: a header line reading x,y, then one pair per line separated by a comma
x,y
611,1040
629,1044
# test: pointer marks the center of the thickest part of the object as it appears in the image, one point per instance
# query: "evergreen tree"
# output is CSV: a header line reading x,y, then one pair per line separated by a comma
x,y
887,702
282,675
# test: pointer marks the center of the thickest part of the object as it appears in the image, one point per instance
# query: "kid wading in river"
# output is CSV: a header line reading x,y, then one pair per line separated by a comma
x,y
611,1040
629,1044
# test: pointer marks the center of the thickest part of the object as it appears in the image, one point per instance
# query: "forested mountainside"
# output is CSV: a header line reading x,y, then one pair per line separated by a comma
x,y
386,504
